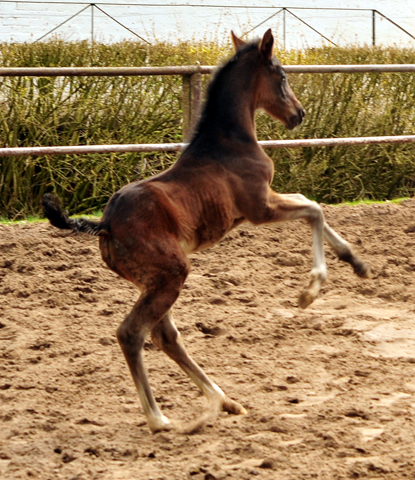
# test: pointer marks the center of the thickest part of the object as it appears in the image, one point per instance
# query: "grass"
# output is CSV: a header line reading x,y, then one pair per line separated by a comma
x,y
396,201
28,220
36,218
102,110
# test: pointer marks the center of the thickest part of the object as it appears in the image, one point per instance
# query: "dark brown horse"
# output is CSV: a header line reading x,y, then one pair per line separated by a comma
x,y
221,180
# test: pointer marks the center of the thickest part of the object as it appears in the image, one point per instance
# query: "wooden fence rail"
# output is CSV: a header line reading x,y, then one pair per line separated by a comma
x,y
176,147
191,101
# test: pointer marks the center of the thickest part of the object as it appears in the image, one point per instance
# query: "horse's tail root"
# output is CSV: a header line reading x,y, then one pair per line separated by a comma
x,y
60,219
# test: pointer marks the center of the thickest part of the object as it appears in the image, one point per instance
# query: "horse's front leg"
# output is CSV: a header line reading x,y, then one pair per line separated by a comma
x,y
313,214
342,248
345,252
285,207
282,208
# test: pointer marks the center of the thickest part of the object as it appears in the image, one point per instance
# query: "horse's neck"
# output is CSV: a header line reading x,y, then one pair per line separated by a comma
x,y
230,114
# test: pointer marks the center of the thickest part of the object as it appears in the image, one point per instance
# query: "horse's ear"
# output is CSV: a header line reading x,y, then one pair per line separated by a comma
x,y
237,42
267,44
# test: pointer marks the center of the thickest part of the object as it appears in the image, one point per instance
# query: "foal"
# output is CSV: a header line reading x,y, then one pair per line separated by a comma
x,y
221,180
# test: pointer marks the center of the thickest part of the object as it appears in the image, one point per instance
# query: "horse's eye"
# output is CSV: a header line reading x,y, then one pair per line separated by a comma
x,y
283,79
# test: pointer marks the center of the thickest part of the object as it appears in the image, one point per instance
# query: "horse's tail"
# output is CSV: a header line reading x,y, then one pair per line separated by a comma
x,y
58,218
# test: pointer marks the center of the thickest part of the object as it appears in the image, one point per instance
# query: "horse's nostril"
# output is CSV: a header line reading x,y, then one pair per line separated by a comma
x,y
297,118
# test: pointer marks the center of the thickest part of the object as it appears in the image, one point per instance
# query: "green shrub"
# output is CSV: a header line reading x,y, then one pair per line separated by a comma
x,y
103,110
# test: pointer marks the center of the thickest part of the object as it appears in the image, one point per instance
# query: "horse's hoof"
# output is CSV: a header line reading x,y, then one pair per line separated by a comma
x,y
160,424
362,270
306,299
233,407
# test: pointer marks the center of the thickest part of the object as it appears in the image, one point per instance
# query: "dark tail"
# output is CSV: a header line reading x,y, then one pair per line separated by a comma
x,y
58,218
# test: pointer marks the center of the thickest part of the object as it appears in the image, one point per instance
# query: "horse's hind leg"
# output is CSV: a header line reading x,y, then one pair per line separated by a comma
x,y
152,305
166,336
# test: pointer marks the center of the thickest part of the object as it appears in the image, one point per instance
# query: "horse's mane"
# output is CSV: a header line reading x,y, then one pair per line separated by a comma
x,y
217,81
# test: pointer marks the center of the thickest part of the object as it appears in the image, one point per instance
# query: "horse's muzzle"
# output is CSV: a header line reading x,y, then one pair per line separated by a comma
x,y
297,119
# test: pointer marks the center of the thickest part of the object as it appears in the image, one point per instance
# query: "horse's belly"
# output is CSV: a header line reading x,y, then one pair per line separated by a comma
x,y
207,235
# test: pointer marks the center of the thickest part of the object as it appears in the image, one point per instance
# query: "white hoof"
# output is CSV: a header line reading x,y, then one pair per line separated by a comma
x,y
159,424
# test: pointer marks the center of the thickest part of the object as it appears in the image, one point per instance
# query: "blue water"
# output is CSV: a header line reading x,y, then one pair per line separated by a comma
x,y
293,28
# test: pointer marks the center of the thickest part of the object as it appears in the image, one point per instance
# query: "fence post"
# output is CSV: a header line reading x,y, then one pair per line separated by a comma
x,y
92,23
283,27
186,106
191,101
196,100
373,27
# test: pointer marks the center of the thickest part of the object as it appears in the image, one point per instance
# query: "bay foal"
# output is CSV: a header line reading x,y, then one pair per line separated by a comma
x,y
221,180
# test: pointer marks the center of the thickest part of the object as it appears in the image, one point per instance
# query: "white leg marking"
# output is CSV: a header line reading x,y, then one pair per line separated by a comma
x,y
312,212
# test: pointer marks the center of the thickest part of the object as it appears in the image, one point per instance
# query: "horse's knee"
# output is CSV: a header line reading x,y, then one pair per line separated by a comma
x,y
314,213
298,196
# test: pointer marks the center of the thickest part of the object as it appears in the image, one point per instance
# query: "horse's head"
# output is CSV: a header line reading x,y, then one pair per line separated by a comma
x,y
274,94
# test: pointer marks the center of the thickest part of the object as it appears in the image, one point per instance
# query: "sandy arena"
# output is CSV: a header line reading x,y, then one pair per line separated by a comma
x,y
330,390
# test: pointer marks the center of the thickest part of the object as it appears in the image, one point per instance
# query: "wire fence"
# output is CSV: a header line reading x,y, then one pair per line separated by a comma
x,y
144,21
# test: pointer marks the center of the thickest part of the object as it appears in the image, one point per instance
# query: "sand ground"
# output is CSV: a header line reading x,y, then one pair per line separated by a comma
x,y
330,390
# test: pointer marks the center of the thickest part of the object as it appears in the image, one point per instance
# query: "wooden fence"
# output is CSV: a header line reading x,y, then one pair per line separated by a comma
x,y
191,101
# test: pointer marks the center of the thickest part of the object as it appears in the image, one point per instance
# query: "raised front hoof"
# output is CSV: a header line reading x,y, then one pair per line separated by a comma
x,y
361,269
233,407
306,299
